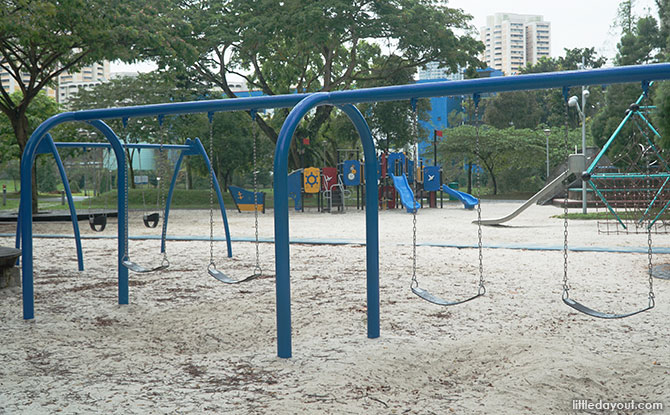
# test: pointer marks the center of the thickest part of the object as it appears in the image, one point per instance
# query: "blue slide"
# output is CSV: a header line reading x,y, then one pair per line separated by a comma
x,y
469,201
405,192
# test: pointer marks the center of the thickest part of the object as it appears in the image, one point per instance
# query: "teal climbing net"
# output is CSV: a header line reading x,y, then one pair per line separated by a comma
x,y
630,176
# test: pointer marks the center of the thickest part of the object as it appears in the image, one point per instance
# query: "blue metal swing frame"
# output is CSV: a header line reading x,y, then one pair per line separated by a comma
x,y
302,104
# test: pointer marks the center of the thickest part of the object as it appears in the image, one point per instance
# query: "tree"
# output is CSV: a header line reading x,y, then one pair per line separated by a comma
x,y
41,39
42,108
144,89
321,45
514,159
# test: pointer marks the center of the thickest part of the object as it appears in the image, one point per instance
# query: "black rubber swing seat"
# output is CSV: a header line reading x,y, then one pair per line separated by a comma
x,y
439,301
593,313
132,266
151,220
97,222
226,279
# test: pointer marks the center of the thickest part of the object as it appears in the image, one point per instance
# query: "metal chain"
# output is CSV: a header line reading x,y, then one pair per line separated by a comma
x,y
144,200
125,194
254,133
649,242
415,133
211,193
162,169
482,287
566,287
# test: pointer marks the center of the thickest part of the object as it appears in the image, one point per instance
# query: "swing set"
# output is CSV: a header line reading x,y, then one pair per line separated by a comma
x,y
301,105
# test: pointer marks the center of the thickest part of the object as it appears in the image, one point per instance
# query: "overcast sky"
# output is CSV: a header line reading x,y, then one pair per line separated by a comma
x,y
574,23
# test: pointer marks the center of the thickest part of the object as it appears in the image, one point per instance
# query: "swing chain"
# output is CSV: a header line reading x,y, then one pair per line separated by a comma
x,y
254,133
482,287
125,194
415,133
211,194
566,287
650,269
649,242
162,169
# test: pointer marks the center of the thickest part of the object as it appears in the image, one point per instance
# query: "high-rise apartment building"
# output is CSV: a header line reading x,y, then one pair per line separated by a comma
x,y
514,40
87,77
68,83
10,84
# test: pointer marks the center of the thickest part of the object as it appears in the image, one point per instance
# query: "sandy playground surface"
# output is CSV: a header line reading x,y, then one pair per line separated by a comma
x,y
189,344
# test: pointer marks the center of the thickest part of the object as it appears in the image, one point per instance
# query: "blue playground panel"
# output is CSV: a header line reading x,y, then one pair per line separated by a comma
x,y
431,178
244,199
469,201
295,188
351,170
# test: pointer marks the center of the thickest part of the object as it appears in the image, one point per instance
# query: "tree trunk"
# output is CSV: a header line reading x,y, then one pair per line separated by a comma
x,y
189,175
20,126
470,178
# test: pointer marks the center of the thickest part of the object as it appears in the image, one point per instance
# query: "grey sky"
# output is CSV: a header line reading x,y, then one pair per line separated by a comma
x,y
574,23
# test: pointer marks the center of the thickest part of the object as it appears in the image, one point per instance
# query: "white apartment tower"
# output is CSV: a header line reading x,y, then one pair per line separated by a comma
x,y
514,40
87,77
68,83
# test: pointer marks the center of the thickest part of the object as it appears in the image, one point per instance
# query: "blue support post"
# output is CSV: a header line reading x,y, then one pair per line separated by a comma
x,y
122,200
371,217
282,262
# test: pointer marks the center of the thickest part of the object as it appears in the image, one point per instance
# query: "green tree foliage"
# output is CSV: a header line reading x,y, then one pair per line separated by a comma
x,y
514,159
640,43
42,108
232,133
322,45
41,39
528,109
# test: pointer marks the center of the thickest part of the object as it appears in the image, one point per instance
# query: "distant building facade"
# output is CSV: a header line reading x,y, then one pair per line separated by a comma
x,y
513,40
69,83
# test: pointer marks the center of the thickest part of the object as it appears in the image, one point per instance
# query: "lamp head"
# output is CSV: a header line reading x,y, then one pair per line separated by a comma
x,y
573,101
585,93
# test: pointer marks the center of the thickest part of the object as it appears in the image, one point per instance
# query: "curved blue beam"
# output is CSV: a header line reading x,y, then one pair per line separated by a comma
x,y
25,209
620,74
282,266
70,201
371,217
122,199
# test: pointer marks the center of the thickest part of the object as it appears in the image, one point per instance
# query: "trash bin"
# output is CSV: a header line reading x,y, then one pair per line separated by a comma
x,y
453,185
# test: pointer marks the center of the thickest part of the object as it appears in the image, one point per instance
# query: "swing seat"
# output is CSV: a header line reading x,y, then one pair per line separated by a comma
x,y
593,313
97,222
132,266
226,279
439,301
151,220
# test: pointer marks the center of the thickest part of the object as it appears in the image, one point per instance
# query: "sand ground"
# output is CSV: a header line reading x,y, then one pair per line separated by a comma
x,y
189,344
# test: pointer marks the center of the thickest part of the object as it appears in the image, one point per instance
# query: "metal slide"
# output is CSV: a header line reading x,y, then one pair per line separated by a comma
x,y
576,164
405,192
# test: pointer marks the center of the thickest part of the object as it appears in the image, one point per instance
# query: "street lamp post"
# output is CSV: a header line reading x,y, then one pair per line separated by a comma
x,y
574,102
547,131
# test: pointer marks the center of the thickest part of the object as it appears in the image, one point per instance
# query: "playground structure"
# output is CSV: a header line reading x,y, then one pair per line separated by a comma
x,y
633,193
190,148
302,104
